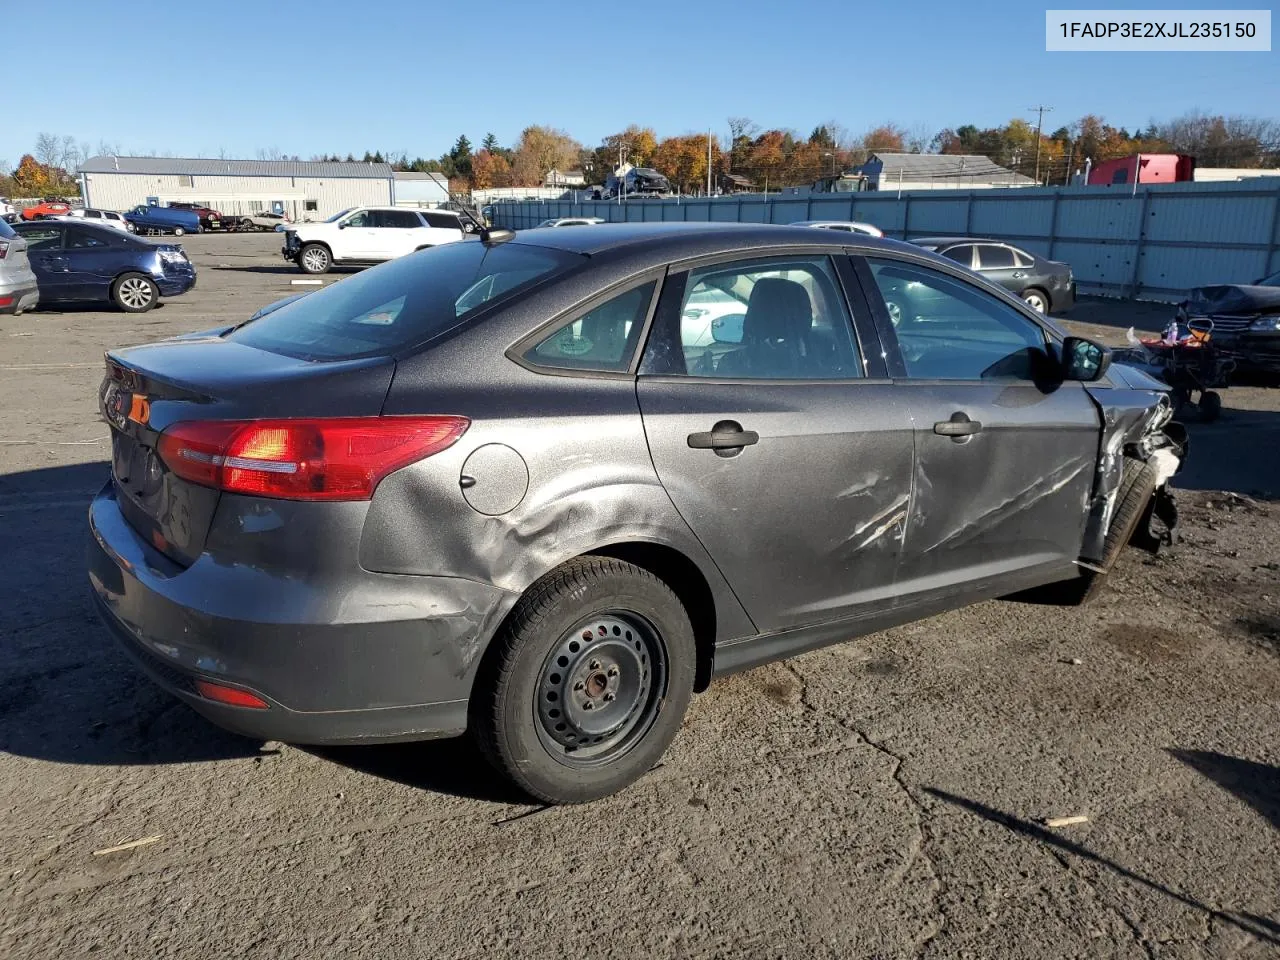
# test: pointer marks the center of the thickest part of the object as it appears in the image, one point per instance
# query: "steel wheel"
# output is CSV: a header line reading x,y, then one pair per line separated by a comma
x,y
135,293
600,689
1035,300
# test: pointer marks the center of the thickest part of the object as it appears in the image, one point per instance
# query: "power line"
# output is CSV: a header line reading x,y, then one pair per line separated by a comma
x,y
1039,126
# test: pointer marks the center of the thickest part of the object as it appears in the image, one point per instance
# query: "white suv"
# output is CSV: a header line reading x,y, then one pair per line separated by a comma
x,y
368,235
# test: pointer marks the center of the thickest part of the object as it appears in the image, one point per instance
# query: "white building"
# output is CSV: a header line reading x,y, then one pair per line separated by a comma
x,y
302,190
1216,174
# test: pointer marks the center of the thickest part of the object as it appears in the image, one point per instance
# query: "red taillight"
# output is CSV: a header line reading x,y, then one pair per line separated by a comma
x,y
4,249
230,695
333,459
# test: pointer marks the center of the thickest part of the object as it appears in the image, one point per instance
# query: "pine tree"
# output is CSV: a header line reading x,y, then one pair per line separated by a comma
x,y
490,143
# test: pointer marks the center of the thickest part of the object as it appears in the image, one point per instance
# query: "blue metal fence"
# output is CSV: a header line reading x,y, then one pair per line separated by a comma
x,y
1153,244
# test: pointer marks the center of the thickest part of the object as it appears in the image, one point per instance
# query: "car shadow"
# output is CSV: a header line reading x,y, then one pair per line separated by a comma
x,y
287,268
69,695
1265,930
91,306
1257,784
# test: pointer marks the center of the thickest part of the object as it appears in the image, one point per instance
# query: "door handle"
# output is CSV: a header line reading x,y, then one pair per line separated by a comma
x,y
959,428
726,438
1018,274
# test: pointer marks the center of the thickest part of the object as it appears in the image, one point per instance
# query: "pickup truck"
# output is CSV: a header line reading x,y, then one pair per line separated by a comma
x,y
151,219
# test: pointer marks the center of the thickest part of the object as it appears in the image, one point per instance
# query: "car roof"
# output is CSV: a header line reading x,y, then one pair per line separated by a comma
x,y
944,241
693,239
76,222
818,223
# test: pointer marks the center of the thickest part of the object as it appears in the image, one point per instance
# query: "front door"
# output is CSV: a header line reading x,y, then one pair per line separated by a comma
x,y
357,238
90,260
1005,450
790,465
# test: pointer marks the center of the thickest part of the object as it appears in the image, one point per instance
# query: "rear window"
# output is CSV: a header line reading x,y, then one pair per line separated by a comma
x,y
6,231
401,303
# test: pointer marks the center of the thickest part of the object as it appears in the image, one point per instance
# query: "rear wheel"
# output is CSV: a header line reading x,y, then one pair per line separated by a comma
x,y
314,258
134,293
587,683
178,231
1036,300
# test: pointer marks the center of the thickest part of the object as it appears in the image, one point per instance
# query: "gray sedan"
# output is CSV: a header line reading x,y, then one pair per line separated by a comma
x,y
543,488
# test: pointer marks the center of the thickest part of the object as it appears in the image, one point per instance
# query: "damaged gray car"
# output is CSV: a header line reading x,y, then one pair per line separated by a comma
x,y
543,487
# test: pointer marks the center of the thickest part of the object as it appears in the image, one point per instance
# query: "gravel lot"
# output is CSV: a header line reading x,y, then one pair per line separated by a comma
x,y
883,798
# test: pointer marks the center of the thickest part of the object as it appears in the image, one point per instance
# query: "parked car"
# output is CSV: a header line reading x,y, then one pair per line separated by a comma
x,y
1046,285
46,208
489,487
368,235
90,262
571,222
847,226
108,218
264,220
6,208
18,291
156,219
1242,321
210,219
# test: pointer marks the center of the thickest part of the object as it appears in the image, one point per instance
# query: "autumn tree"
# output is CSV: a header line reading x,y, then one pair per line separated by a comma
x,y
885,138
32,177
489,169
683,160
539,150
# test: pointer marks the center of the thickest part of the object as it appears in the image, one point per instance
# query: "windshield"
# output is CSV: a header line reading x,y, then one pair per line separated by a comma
x,y
401,303
339,215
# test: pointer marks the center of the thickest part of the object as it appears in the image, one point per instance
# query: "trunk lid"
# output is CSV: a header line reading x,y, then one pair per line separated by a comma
x,y
146,389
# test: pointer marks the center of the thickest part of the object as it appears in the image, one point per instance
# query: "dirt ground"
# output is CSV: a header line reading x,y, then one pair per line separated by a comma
x,y
882,798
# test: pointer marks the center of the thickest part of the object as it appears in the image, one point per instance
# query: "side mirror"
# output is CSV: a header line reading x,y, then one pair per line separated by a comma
x,y
1084,360
342,225
728,328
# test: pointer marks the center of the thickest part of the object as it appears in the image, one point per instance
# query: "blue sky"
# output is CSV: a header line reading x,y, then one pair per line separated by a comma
x,y
194,79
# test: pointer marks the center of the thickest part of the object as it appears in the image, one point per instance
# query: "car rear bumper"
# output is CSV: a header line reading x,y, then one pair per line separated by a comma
x,y
1064,297
398,664
16,297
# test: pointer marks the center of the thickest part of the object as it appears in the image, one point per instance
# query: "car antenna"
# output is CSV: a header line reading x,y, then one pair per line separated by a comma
x,y
492,236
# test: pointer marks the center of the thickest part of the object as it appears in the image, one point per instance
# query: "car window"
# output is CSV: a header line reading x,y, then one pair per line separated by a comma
x,y
396,219
604,338
93,214
991,257
7,232
401,303
361,219
442,220
781,318
43,238
78,239
1023,259
950,330
961,254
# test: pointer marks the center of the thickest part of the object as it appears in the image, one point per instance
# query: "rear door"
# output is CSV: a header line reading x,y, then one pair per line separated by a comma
x,y
442,227
399,232
999,264
777,437
48,259
1005,450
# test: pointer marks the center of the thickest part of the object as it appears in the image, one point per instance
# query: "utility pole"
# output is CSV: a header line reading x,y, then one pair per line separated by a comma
x,y
708,162
1041,109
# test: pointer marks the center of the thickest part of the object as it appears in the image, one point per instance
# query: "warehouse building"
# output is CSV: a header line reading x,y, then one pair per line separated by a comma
x,y
301,190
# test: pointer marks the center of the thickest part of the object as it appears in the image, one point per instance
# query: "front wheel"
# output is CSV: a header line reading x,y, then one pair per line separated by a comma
x,y
314,258
134,293
1036,300
587,683
178,231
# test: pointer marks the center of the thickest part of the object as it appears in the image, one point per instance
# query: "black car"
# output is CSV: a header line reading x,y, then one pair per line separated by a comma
x,y
1243,321
1046,285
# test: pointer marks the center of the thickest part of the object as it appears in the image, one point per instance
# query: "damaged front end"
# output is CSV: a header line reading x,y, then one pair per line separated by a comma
x,y
1137,425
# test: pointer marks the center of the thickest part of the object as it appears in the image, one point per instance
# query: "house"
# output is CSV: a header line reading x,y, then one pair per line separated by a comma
x,y
734,183
571,178
302,190
936,171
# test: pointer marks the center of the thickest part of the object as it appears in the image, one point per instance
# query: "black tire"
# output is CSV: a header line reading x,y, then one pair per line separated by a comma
x,y
178,231
1036,299
314,258
1210,405
135,293
1136,487
541,652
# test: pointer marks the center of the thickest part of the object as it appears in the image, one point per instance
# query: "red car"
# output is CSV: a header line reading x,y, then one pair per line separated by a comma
x,y
46,208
